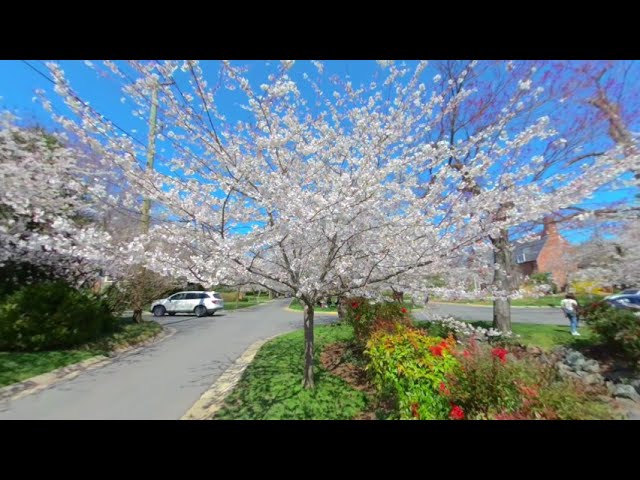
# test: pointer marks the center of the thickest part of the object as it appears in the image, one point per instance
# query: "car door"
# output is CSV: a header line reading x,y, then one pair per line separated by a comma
x,y
192,300
176,303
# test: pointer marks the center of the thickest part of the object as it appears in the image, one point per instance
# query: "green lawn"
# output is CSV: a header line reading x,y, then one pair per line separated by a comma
x,y
18,366
547,301
250,301
296,305
271,387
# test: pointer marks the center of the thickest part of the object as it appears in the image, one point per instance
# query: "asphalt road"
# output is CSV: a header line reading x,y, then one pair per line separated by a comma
x,y
549,316
162,381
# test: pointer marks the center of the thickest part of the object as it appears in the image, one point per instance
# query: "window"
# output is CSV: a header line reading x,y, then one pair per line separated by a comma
x,y
177,296
203,295
193,296
218,296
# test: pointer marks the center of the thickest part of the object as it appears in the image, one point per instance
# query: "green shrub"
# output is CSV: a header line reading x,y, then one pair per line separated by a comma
x,y
116,298
408,369
365,318
618,328
13,275
51,315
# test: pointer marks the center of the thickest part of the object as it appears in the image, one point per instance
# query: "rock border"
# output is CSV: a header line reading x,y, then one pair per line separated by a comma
x,y
212,400
488,306
40,382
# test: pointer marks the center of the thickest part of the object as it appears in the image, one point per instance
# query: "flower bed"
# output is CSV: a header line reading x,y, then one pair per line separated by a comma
x,y
428,377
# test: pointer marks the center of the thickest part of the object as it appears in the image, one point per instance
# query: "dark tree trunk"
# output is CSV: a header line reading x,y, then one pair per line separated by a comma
x,y
502,280
398,296
308,346
341,308
137,315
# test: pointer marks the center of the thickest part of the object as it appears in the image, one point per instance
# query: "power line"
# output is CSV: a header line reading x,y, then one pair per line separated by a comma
x,y
85,104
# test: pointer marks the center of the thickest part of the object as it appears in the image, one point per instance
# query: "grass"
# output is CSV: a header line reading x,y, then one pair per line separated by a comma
x,y
249,301
271,387
546,301
127,334
19,366
296,305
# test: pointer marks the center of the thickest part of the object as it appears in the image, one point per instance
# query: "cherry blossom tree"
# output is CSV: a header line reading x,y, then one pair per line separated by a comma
x,y
555,172
610,257
318,187
47,218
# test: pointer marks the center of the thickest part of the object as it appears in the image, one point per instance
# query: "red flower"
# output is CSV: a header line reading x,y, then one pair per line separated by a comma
x,y
456,413
414,410
466,353
404,310
444,389
437,350
354,305
501,353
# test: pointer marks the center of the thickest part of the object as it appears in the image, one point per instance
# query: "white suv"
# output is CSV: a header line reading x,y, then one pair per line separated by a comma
x,y
198,303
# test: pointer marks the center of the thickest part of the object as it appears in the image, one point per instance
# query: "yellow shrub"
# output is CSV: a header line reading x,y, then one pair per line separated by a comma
x,y
233,296
589,287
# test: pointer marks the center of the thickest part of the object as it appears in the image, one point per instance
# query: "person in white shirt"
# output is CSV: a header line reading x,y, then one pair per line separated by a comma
x,y
570,308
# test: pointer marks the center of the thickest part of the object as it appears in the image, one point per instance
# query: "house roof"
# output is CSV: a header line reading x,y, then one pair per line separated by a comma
x,y
528,251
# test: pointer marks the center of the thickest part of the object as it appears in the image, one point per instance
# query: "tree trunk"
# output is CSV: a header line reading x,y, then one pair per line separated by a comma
x,y
398,296
502,281
308,346
341,308
137,315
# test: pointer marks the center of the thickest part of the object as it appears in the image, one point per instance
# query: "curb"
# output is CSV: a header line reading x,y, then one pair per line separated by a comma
x,y
212,400
35,384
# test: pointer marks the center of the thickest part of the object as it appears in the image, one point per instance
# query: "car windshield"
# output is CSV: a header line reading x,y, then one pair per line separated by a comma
x,y
630,291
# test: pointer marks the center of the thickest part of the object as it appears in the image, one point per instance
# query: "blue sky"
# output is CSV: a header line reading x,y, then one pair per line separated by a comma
x,y
18,83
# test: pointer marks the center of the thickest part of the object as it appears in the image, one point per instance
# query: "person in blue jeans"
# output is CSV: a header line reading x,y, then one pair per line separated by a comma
x,y
569,306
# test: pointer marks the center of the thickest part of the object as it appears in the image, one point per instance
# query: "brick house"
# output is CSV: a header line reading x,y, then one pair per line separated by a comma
x,y
550,253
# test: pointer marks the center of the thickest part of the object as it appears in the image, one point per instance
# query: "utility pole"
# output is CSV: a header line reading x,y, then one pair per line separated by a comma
x,y
151,153
141,284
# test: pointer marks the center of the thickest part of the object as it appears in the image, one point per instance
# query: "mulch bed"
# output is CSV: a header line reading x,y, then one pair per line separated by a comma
x,y
333,359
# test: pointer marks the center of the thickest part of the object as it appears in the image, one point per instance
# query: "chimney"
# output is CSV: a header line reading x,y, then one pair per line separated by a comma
x,y
550,228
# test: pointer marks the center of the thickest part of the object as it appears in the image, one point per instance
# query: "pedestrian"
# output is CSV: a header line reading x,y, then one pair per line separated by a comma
x,y
570,308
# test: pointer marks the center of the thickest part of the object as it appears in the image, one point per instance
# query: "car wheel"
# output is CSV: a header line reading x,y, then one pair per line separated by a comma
x,y
200,311
159,311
